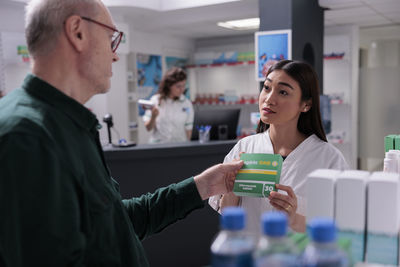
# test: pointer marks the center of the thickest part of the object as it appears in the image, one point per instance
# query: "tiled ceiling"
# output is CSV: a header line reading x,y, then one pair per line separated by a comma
x,y
201,22
364,13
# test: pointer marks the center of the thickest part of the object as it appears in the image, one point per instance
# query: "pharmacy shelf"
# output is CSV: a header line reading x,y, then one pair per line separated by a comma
x,y
229,64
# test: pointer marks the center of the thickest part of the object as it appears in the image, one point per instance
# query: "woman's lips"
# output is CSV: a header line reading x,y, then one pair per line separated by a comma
x,y
268,111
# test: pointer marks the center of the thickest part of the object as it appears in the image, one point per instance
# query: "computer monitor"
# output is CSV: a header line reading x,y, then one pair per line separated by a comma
x,y
223,123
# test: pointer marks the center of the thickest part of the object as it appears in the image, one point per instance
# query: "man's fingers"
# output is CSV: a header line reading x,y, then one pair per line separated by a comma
x,y
233,166
230,182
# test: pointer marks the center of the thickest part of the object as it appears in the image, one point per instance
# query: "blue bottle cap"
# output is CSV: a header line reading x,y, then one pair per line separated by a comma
x,y
233,218
322,230
274,223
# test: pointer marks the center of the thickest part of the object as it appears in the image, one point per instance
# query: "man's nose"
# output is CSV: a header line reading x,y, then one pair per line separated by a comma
x,y
115,57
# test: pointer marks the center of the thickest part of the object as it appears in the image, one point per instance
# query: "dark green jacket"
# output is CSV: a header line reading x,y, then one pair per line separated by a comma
x,y
59,205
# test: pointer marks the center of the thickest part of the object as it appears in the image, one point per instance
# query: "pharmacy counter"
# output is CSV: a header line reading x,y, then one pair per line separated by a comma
x,y
145,168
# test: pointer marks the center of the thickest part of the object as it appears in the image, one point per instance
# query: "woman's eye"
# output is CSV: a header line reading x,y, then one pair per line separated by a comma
x,y
266,88
283,92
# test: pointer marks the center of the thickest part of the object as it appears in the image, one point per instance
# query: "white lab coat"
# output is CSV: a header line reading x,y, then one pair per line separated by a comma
x,y
174,118
311,154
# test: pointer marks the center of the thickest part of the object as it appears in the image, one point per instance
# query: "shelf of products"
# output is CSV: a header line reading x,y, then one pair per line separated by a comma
x,y
338,82
227,64
334,56
224,99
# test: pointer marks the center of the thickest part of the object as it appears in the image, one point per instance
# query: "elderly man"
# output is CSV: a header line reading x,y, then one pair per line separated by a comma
x,y
59,205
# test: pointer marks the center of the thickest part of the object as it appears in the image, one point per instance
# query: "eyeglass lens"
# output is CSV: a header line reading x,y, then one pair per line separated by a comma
x,y
116,40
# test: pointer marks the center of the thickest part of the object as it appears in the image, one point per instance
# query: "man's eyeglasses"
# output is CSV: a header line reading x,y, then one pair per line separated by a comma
x,y
117,36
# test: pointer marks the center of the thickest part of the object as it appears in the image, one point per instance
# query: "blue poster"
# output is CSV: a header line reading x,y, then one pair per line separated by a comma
x,y
149,74
271,47
176,62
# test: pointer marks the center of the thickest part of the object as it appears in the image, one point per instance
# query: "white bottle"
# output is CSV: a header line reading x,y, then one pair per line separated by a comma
x,y
398,158
390,163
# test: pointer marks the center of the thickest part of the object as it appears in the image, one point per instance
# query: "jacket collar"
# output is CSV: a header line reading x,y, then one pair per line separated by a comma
x,y
42,90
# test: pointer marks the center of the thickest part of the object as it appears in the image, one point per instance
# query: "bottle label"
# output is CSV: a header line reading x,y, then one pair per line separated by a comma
x,y
236,260
278,259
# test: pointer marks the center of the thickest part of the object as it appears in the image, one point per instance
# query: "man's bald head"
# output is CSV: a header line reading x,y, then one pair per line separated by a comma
x,y
44,21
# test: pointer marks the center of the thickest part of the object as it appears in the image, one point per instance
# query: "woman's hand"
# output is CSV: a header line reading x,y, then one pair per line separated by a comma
x,y
288,204
150,124
154,112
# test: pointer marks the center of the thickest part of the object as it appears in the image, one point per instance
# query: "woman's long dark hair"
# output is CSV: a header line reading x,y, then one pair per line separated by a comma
x,y
170,78
309,122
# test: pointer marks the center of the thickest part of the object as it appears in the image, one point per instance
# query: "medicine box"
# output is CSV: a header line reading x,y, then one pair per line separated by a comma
x,y
320,190
389,142
259,174
383,215
350,209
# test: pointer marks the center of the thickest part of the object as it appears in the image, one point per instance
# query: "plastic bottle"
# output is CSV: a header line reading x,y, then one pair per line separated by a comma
x,y
232,247
398,158
390,162
275,249
323,250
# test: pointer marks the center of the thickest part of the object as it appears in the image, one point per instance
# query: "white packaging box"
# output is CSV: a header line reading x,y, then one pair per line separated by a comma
x,y
383,218
320,192
350,209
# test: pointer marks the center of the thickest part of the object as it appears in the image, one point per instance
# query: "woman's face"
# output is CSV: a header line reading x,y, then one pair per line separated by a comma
x,y
280,100
177,89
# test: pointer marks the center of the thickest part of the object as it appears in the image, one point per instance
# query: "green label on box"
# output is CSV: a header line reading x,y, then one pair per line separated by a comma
x,y
258,176
389,142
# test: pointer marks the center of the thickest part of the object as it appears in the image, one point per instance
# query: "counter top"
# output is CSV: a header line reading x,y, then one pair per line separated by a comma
x,y
167,150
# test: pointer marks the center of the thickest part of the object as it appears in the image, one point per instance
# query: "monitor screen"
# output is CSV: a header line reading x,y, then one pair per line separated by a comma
x,y
223,123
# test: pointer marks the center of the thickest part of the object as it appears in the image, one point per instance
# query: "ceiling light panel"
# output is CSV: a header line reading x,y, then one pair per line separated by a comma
x,y
241,24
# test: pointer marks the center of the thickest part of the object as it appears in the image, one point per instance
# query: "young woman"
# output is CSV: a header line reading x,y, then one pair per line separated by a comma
x,y
290,125
171,118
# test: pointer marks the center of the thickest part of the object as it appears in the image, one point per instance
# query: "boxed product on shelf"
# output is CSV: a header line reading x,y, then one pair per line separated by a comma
x,y
350,210
204,58
383,218
337,98
225,57
392,141
245,56
320,185
336,137
366,208
231,96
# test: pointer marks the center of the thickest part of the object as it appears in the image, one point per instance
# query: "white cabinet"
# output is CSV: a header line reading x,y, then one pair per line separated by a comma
x,y
133,116
341,84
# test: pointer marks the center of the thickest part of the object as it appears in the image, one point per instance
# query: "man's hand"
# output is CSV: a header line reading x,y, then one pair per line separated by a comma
x,y
218,179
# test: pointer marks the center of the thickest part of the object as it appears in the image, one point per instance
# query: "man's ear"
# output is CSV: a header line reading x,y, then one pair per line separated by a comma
x,y
75,32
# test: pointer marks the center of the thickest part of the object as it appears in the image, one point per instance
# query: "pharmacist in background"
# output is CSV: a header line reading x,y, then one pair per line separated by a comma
x,y
59,205
171,117
290,125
